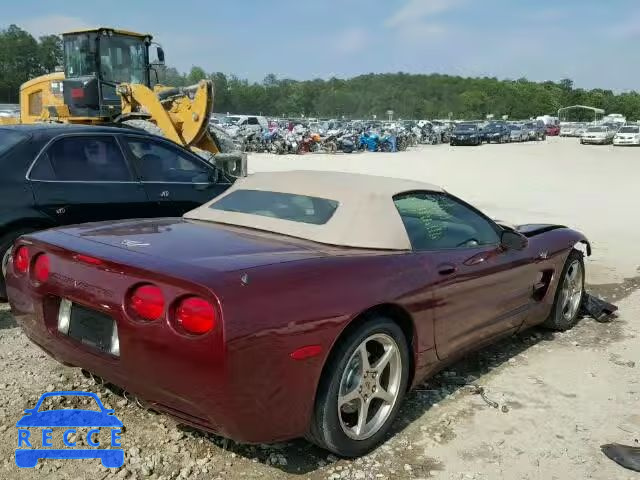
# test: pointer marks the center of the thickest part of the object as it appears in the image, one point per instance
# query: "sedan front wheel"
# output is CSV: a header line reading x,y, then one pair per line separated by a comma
x,y
362,388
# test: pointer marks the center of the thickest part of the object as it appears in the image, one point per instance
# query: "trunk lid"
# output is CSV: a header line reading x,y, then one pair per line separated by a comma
x,y
201,244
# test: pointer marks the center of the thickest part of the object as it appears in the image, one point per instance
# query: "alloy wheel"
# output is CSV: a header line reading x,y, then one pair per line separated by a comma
x,y
370,386
571,293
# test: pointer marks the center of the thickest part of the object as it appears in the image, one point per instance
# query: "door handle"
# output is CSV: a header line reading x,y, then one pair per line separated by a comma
x,y
447,269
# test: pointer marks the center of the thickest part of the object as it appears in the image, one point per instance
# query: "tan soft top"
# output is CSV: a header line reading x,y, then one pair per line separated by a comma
x,y
366,216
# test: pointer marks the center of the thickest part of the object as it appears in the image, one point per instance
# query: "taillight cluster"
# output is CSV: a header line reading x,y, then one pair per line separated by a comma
x,y
39,265
193,315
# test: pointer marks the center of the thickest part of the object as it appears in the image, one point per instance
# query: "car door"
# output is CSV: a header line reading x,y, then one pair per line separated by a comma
x,y
481,290
177,180
81,178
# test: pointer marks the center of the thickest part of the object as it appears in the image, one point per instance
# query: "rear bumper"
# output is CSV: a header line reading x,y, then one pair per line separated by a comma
x,y
234,392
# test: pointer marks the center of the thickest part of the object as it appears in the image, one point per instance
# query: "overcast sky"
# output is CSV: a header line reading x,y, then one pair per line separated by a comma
x,y
593,42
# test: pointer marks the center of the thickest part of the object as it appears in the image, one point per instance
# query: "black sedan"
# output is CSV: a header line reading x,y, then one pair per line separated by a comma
x,y
496,132
56,175
466,134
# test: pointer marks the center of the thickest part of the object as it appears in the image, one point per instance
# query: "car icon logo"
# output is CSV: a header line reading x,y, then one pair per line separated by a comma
x,y
69,420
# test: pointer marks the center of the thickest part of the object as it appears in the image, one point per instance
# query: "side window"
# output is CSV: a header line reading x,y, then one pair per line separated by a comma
x,y
253,121
82,158
435,221
163,163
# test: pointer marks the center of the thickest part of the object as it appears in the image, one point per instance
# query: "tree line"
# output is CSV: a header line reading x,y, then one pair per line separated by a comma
x,y
409,95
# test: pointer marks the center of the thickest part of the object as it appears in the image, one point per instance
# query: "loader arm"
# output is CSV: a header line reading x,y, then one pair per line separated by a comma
x,y
181,113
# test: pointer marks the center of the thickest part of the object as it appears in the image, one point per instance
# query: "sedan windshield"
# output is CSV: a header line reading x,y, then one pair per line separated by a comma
x,y
595,129
629,130
466,128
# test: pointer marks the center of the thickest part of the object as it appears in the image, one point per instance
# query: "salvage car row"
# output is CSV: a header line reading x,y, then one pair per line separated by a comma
x,y
476,133
210,314
618,134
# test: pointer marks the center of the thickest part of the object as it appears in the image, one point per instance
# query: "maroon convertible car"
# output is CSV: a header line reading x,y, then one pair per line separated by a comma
x,y
294,304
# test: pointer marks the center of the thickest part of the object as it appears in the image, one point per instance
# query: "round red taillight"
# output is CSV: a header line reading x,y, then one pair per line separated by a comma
x,y
21,260
196,315
41,268
147,302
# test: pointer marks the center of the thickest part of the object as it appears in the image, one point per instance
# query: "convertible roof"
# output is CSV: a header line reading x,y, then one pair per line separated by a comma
x,y
366,216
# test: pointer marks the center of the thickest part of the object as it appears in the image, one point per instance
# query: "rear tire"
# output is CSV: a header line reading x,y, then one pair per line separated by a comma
x,y
569,294
6,249
350,419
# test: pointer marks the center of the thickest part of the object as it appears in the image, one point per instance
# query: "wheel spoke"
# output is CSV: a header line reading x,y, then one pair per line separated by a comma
x,y
364,356
381,364
348,397
564,298
383,395
363,412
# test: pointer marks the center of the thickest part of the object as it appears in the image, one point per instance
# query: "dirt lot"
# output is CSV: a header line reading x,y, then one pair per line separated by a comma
x,y
560,396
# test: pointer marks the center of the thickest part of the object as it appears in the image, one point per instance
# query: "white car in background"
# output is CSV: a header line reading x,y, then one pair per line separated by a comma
x,y
627,135
597,135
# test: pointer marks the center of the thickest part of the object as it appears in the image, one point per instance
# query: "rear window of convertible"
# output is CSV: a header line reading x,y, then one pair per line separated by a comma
x,y
9,139
284,206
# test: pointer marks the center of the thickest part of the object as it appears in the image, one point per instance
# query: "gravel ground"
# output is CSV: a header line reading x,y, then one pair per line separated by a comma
x,y
560,396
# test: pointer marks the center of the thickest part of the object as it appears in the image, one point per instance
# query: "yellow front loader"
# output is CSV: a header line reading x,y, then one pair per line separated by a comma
x,y
107,79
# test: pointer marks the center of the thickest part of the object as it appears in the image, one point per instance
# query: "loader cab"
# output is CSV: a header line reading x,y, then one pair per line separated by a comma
x,y
96,62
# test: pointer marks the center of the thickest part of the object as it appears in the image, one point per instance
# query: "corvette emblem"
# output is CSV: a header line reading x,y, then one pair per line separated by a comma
x,y
134,243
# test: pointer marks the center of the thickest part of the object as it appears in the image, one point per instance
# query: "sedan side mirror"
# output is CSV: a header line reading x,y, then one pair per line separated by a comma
x,y
512,240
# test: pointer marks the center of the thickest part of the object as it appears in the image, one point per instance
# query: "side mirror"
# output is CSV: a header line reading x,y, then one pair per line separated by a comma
x,y
160,53
512,240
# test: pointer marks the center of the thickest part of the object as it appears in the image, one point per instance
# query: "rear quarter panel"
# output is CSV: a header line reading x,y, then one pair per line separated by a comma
x,y
287,306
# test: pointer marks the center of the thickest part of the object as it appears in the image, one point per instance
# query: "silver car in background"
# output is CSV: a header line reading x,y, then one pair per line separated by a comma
x,y
597,135
518,133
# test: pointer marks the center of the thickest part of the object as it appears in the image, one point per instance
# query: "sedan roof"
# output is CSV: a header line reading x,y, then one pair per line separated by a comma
x,y
68,128
365,217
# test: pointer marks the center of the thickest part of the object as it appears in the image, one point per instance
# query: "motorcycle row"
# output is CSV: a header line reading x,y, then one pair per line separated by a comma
x,y
298,139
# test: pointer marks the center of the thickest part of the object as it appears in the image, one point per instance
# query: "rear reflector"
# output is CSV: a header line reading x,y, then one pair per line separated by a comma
x,y
77,93
21,260
88,259
41,268
147,302
196,315
306,352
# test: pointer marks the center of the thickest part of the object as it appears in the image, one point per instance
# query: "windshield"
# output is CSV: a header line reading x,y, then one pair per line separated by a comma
x,y
466,128
514,127
629,130
596,129
123,59
79,55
